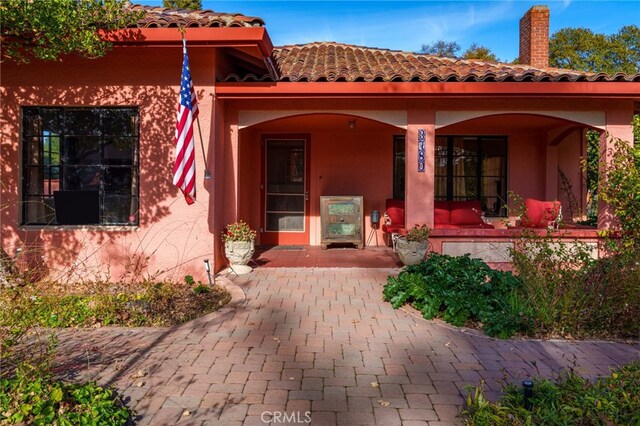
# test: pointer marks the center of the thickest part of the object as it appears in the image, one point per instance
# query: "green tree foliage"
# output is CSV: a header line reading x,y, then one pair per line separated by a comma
x,y
620,187
48,29
447,49
183,4
475,51
582,49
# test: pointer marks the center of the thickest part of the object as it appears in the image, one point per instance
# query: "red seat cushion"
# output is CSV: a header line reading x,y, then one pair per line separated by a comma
x,y
392,229
395,211
466,213
540,213
441,215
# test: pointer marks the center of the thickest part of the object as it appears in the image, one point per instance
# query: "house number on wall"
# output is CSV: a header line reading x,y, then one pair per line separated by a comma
x,y
421,138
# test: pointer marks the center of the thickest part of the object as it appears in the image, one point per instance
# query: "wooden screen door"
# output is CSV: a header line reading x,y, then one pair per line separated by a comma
x,y
285,191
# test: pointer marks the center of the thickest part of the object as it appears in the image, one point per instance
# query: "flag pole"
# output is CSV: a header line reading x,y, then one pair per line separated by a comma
x,y
207,175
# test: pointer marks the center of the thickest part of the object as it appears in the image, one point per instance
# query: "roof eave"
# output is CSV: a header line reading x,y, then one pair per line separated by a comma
x,y
230,90
196,37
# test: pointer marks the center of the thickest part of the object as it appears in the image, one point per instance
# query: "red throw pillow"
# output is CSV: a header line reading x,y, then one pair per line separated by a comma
x,y
441,215
540,213
395,211
466,213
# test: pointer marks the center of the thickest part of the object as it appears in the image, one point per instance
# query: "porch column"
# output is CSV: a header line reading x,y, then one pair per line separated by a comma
x,y
419,191
224,206
617,126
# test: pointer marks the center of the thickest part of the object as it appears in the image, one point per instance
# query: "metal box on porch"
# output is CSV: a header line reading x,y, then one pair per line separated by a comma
x,y
341,220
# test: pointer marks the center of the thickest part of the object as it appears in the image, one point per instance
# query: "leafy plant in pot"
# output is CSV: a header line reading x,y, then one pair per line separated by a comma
x,y
413,246
239,245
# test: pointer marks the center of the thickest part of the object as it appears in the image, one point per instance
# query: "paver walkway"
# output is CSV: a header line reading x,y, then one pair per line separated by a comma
x,y
313,343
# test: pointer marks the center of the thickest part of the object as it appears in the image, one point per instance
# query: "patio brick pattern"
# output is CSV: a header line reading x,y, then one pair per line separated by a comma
x,y
318,340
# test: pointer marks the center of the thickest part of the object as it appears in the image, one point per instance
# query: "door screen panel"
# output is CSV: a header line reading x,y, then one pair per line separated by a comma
x,y
285,188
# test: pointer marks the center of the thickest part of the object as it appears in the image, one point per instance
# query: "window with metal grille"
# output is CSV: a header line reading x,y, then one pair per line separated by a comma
x,y
80,165
472,168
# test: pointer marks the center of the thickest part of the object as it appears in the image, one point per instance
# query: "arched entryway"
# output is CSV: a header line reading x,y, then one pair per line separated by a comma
x,y
287,164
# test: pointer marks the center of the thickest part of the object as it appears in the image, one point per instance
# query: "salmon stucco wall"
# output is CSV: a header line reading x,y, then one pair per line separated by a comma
x,y
172,238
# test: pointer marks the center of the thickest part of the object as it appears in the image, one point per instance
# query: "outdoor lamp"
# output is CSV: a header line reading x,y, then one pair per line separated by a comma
x,y
207,268
375,218
528,393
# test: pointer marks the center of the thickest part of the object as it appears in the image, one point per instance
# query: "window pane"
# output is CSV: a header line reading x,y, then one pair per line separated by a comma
x,y
465,166
440,166
494,147
117,180
465,146
119,210
39,210
120,122
441,146
465,188
285,203
81,178
441,186
119,150
81,150
82,121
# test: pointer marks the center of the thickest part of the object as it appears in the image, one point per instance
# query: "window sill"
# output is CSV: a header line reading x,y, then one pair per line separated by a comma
x,y
58,228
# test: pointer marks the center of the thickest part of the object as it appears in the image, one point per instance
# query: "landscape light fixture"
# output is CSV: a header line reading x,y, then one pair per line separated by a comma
x,y
207,268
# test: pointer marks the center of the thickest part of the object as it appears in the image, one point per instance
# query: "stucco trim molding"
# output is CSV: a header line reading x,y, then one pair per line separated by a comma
x,y
248,118
595,119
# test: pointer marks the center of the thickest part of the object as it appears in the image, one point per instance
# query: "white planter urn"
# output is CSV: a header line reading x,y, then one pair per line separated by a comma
x,y
239,254
411,252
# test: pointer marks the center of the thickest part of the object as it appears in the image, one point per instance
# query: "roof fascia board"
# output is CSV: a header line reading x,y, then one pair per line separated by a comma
x,y
210,36
418,90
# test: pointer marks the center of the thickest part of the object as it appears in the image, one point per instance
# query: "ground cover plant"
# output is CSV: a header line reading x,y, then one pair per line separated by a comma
x,y
461,291
567,400
146,303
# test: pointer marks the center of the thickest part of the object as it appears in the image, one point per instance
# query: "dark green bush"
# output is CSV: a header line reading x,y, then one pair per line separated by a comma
x,y
42,400
568,400
461,290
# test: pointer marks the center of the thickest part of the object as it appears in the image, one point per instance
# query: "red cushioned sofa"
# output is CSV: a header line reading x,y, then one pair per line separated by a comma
x,y
447,215
458,214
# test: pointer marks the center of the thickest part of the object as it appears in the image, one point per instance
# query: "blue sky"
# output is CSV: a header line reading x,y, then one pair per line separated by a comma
x,y
406,25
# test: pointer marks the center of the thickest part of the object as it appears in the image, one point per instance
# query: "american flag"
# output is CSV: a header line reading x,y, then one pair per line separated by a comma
x,y
184,170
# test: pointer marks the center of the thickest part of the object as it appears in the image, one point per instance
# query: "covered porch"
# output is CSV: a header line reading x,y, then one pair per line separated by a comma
x,y
538,157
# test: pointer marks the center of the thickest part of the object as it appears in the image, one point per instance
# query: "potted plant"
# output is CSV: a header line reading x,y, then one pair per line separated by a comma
x,y
413,246
239,246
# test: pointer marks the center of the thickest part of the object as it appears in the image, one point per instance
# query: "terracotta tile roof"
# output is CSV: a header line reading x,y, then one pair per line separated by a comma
x,y
162,17
330,61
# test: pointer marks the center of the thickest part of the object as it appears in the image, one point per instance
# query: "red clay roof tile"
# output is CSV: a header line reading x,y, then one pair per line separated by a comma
x,y
162,17
331,61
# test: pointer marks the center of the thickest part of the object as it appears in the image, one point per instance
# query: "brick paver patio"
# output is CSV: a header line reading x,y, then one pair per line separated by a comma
x,y
318,344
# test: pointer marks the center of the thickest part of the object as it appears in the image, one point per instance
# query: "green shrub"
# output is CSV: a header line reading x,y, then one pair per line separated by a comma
x,y
25,399
568,400
461,290
572,294
552,273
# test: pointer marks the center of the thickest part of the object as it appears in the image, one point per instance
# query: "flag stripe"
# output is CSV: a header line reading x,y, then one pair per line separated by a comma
x,y
184,169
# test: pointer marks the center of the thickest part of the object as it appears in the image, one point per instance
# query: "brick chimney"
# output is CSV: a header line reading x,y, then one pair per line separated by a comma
x,y
534,37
